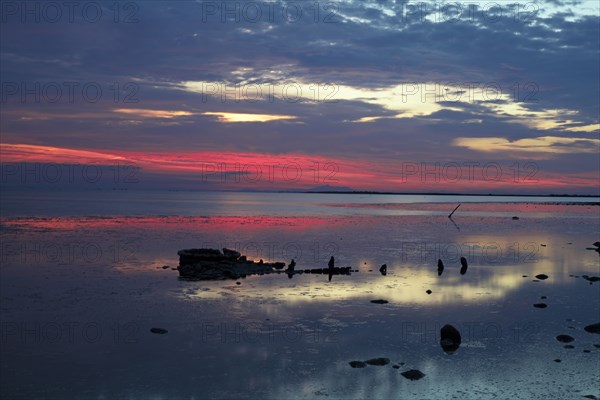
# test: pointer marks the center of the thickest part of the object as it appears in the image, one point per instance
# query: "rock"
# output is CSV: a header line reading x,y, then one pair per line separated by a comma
x,y
543,245
557,360
591,396
565,338
541,276
159,331
428,291
238,283
591,278
449,339
515,217
463,262
292,266
540,305
597,345
593,328
331,263
380,301
278,265
440,267
413,374
543,297
357,364
378,361
396,366
383,269
597,244
211,264
165,267
569,346
586,351
231,253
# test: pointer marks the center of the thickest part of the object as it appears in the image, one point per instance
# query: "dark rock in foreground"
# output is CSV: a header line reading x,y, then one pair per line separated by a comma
x,y
428,291
440,267
449,339
540,305
212,264
159,331
357,364
565,338
378,361
593,328
380,301
541,276
413,374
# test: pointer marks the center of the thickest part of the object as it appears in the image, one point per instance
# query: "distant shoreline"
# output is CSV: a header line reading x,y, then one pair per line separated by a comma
x,y
451,194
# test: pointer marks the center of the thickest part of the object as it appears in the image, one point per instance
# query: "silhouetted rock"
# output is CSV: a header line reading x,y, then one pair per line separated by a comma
x,y
463,262
440,267
381,301
395,366
378,361
449,339
159,331
292,265
593,328
357,364
231,253
211,264
428,291
413,374
383,269
565,338
331,263
591,278
278,265
540,305
591,396
542,276
569,346
597,244
515,217
557,360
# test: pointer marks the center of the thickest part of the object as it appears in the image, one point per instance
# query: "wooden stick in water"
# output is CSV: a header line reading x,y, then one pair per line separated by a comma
x,y
450,216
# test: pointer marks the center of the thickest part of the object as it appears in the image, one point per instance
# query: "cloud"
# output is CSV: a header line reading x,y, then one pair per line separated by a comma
x,y
240,117
544,144
152,113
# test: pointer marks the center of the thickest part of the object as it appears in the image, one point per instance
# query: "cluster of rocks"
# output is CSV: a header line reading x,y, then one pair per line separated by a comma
x,y
213,264
463,266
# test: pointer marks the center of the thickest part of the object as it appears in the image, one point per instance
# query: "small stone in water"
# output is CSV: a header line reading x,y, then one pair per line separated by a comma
x,y
381,301
565,338
413,374
159,331
357,364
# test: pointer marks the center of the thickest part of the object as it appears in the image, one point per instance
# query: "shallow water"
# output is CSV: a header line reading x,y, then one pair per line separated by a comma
x,y
80,294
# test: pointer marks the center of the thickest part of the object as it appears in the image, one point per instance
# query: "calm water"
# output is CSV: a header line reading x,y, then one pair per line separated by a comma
x,y
143,203
81,287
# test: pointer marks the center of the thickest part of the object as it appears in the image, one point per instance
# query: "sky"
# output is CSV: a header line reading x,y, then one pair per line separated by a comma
x,y
367,95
